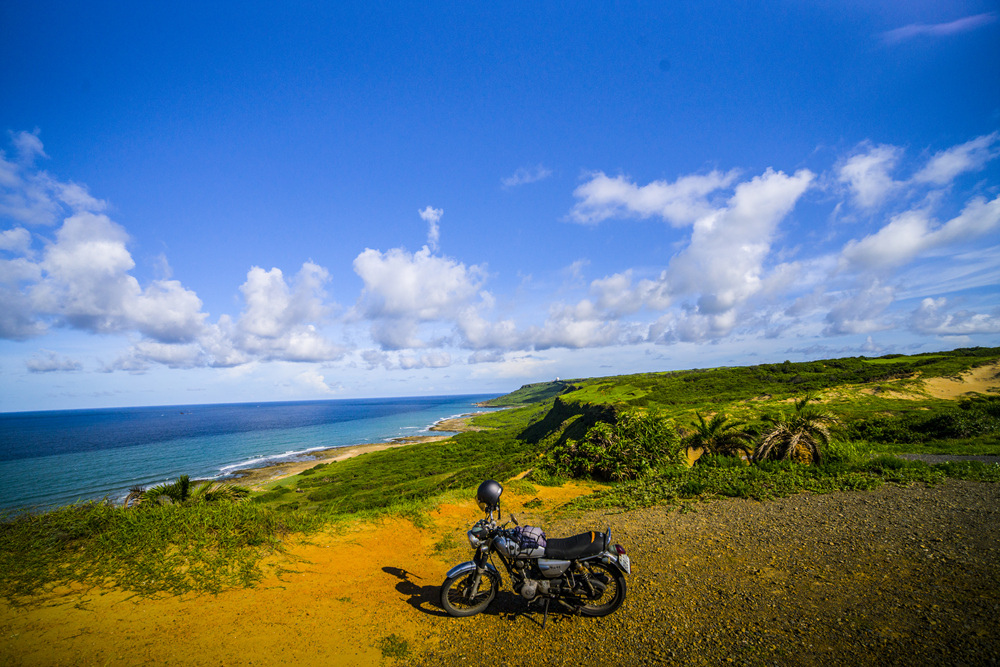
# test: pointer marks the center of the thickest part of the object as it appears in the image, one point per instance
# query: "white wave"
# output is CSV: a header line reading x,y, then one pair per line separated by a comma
x,y
263,460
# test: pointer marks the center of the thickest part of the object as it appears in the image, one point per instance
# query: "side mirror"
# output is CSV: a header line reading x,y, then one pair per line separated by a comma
x,y
514,519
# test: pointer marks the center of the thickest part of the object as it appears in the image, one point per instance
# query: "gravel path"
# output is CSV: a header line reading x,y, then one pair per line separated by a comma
x,y
896,576
942,458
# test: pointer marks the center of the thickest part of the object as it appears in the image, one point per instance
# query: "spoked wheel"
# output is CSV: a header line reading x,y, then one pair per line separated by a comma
x,y
457,598
613,594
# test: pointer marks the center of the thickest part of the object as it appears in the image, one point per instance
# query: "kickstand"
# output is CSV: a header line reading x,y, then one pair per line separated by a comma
x,y
546,616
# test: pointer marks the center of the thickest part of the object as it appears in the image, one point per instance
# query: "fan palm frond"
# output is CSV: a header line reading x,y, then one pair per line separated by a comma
x,y
720,435
798,436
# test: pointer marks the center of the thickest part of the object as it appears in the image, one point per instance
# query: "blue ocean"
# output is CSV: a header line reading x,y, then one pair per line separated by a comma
x,y
54,458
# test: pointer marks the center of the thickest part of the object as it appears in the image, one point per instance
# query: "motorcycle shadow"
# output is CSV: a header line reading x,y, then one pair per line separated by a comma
x,y
427,599
422,598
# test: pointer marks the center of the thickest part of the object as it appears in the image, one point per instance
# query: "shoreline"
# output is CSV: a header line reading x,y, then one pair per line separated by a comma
x,y
256,479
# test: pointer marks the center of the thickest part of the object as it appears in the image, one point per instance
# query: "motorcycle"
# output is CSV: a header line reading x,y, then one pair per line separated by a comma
x,y
583,572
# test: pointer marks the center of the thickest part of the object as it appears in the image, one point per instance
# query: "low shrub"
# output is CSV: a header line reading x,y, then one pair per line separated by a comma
x,y
887,462
975,471
544,477
838,451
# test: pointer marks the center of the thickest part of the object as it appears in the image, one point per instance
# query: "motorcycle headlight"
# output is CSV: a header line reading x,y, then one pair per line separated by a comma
x,y
473,540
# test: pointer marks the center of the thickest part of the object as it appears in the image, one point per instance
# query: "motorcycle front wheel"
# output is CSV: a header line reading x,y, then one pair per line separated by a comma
x,y
456,598
613,594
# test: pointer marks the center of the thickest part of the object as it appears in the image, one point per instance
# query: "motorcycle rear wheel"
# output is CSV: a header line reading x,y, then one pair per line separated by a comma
x,y
614,591
455,599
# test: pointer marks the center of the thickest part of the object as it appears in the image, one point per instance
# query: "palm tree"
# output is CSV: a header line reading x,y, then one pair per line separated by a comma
x,y
135,496
720,435
799,436
185,491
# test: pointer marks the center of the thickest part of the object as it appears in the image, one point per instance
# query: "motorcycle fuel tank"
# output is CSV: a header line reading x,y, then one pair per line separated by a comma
x,y
505,546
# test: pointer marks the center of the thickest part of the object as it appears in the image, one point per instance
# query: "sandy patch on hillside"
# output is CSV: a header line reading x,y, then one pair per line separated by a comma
x,y
342,592
979,380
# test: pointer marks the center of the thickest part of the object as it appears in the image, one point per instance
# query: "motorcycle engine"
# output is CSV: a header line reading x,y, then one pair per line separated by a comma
x,y
531,588
525,582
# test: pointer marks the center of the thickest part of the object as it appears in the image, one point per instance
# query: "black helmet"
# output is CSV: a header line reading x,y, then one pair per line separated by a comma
x,y
488,495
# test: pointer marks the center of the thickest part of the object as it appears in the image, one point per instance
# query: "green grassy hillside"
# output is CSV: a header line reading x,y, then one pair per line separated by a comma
x,y
875,397
575,427
530,393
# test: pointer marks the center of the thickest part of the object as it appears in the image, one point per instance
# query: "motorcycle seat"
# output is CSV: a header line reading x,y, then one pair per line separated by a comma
x,y
578,546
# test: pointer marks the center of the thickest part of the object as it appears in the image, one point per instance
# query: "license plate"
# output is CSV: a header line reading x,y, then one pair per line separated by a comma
x,y
625,563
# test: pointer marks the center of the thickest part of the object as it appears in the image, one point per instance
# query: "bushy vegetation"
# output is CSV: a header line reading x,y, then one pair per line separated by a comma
x,y
970,418
634,445
726,477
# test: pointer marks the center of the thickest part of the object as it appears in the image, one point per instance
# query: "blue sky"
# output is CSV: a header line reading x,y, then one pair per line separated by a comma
x,y
237,202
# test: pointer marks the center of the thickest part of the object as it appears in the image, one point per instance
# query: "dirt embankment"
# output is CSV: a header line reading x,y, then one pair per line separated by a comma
x,y
894,576
982,380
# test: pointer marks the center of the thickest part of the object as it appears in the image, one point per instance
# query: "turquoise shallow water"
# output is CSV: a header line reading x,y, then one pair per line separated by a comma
x,y
54,458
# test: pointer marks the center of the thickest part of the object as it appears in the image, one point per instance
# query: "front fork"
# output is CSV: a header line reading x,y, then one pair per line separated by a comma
x,y
481,559
473,588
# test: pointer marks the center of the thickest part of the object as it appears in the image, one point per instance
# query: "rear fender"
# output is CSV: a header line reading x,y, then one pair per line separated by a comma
x,y
608,558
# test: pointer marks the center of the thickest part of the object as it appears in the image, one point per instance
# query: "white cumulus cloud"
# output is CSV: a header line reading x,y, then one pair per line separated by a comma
x,y
420,285
280,319
868,174
724,262
912,233
16,241
973,155
575,326
932,318
679,203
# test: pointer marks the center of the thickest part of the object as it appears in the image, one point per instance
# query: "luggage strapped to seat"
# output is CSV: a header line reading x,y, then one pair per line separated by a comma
x,y
530,541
